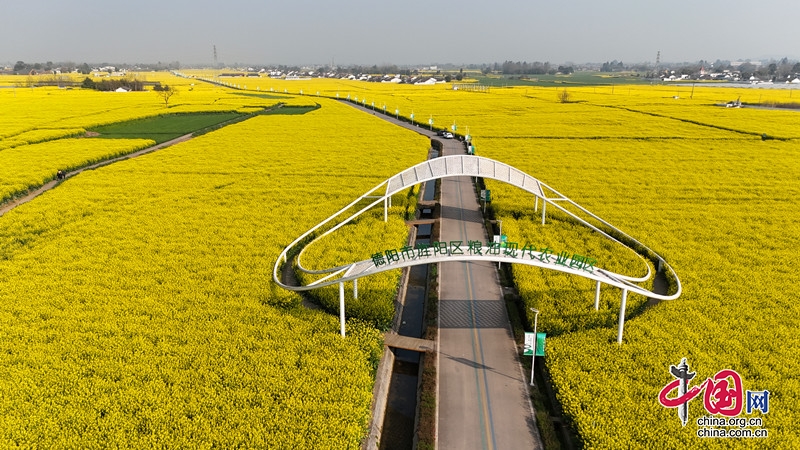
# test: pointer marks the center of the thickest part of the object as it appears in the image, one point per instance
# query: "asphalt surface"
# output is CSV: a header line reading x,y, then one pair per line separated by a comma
x,y
483,395
483,400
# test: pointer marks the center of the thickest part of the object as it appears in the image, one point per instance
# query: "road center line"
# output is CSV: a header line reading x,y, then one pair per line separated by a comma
x,y
477,348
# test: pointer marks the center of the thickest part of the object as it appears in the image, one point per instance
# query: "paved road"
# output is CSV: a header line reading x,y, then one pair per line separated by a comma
x,y
483,395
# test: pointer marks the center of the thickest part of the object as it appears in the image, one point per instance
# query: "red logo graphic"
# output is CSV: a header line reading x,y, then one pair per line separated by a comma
x,y
723,393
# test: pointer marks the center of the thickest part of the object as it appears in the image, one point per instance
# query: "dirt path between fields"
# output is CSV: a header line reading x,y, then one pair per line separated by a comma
x,y
11,204
6,207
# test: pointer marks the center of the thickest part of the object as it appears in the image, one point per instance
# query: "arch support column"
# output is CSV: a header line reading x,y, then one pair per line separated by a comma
x,y
544,208
622,315
597,297
341,307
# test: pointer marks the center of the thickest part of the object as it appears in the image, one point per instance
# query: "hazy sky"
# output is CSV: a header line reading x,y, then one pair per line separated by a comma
x,y
398,32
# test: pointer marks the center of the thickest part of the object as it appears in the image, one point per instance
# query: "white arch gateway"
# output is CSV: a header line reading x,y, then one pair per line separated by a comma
x,y
476,166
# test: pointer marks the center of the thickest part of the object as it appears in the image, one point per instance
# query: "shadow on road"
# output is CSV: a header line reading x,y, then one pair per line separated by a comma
x,y
472,314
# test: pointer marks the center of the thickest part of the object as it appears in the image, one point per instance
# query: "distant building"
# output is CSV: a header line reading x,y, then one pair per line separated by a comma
x,y
426,82
739,63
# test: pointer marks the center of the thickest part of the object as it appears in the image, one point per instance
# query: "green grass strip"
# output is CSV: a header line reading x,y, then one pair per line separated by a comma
x,y
164,128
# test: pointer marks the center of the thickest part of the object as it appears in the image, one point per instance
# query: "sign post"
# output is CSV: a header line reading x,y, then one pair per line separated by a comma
x,y
533,346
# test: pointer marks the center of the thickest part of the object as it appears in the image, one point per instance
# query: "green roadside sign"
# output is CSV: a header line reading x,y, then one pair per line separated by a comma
x,y
531,343
540,343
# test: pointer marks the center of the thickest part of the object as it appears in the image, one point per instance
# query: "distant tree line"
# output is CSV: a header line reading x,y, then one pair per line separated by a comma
x,y
48,80
130,84
776,70
22,68
612,66
525,68
385,69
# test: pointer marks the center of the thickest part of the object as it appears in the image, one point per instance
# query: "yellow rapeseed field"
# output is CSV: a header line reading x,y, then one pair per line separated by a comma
x,y
36,121
142,277
710,188
137,305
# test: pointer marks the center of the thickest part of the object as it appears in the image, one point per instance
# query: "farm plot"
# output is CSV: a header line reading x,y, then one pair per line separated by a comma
x,y
709,209
137,306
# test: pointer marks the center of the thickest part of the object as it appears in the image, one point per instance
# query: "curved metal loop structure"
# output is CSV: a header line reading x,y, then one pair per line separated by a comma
x,y
474,166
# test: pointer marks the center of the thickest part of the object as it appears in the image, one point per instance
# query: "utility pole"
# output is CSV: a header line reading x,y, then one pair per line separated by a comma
x,y
658,61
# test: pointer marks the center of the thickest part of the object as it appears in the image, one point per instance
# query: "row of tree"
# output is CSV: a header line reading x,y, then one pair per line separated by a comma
x,y
164,91
777,70
22,68
613,66
525,68
131,84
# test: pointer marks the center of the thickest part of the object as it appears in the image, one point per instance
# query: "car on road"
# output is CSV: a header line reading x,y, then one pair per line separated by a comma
x,y
445,134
